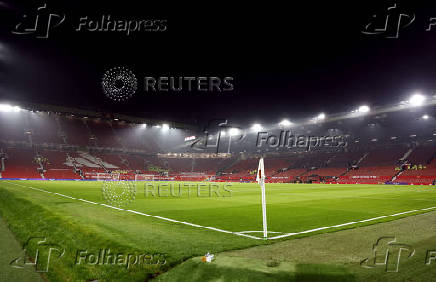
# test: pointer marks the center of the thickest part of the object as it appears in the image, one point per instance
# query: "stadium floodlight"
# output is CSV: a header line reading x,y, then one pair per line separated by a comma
x,y
321,116
144,125
223,133
165,126
364,109
9,109
285,122
234,131
417,100
256,127
425,116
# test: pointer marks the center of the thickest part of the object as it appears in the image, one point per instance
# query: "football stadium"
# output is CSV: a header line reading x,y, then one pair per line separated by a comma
x,y
125,158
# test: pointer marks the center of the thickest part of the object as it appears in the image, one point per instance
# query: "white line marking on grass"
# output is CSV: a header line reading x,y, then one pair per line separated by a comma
x,y
426,209
313,230
344,224
248,236
374,218
112,207
83,200
64,196
282,236
192,224
226,231
243,232
219,230
400,213
167,219
138,213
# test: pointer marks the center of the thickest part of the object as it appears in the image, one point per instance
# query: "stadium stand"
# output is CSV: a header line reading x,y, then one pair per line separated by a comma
x,y
20,163
33,146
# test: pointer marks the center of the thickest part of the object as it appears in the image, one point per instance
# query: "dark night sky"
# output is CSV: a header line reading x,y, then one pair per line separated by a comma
x,y
287,60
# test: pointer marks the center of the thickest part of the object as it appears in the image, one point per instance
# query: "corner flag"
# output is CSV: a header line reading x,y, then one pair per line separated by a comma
x,y
260,178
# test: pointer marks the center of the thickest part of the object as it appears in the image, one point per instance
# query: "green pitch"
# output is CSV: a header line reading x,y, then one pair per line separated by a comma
x,y
212,222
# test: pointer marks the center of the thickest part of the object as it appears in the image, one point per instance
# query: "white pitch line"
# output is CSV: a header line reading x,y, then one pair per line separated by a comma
x,y
219,230
165,218
138,213
374,218
400,213
426,209
243,232
344,224
226,231
83,200
282,236
313,230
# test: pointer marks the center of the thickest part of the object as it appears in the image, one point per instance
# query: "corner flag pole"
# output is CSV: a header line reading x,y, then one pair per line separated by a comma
x,y
261,180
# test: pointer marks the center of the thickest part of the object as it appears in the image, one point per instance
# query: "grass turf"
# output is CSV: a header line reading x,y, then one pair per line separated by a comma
x,y
291,208
325,257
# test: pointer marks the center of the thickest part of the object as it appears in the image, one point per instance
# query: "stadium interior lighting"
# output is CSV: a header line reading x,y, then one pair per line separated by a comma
x,y
285,122
165,126
363,109
425,117
256,127
9,109
416,100
223,133
233,131
321,116
144,125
